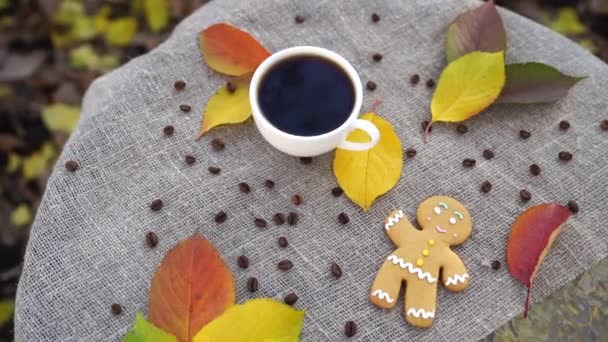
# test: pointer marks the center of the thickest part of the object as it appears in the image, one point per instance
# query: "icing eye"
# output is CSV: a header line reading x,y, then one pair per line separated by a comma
x,y
442,204
437,210
452,220
460,216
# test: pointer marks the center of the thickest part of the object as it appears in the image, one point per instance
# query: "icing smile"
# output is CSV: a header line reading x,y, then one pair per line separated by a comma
x,y
439,229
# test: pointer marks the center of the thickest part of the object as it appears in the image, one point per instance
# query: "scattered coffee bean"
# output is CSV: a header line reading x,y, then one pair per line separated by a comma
x,y
116,309
290,299
71,165
350,329
565,156
336,270
179,85
424,124
152,239
244,187
190,159
564,125
292,219
305,160
168,130
220,217
415,79
430,83
488,154
296,199
495,264
525,195
535,169
343,218
214,170
217,144
468,162
462,129
410,152
156,205
252,284
283,242
377,57
604,125
337,191
231,87
242,261
260,222
269,184
371,85
524,134
375,17
299,19
185,108
279,218
573,206
486,186
285,265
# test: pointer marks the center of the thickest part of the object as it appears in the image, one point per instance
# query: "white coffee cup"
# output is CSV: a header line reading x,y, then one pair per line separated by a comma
x,y
308,146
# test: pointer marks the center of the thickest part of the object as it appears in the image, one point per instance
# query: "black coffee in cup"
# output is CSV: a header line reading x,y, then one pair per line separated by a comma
x,y
306,95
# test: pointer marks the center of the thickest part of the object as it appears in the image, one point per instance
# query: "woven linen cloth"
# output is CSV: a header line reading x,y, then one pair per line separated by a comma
x,y
87,248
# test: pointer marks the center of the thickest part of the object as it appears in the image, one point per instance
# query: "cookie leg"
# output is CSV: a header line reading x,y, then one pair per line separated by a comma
x,y
385,289
420,299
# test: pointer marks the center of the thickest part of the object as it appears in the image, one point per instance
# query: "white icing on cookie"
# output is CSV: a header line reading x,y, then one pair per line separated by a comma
x,y
392,220
383,295
421,312
457,278
411,268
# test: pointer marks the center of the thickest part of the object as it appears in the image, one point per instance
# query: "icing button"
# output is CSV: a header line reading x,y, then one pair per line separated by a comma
x,y
431,242
419,262
425,252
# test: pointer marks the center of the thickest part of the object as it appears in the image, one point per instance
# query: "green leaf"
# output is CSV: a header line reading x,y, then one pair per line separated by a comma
x,y
144,331
121,31
7,306
59,117
567,22
535,83
157,14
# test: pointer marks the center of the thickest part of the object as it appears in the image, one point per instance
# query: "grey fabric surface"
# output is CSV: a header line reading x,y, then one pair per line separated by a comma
x,y
87,248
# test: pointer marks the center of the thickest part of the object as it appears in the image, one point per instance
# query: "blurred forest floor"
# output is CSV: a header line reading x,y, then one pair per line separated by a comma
x,y
51,50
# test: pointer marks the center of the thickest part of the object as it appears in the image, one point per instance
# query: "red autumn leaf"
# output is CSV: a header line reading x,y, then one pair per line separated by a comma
x,y
230,50
191,287
531,237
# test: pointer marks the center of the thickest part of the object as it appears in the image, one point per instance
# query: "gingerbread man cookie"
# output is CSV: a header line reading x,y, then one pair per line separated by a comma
x,y
421,256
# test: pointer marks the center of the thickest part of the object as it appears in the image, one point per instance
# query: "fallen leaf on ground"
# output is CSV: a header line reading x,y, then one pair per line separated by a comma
x,y
21,216
567,22
120,31
85,57
157,14
256,320
21,66
144,331
530,239
192,287
365,175
59,117
34,166
6,310
226,108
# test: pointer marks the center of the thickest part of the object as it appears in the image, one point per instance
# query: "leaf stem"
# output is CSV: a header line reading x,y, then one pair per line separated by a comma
x,y
426,131
527,305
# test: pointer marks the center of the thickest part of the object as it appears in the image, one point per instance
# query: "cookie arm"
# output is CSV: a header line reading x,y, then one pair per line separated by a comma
x,y
454,274
397,226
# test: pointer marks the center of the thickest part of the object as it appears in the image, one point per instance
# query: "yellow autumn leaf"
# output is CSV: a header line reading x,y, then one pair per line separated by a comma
x,y
21,216
34,166
226,108
157,14
60,117
256,320
365,175
101,19
14,162
6,310
468,85
568,22
120,31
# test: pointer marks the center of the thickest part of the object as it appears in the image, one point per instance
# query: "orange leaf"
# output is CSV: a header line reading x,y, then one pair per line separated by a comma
x,y
230,50
531,237
191,287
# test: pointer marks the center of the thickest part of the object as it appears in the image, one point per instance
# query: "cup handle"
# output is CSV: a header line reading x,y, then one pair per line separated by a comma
x,y
370,129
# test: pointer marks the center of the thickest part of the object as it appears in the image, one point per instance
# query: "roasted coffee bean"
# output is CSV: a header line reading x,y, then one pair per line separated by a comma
x,y
377,57
462,129
296,199
260,222
375,17
168,130
71,165
292,218
343,218
220,217
495,264
564,125
371,85
279,218
190,159
116,309
285,265
217,144
299,19
486,186
430,83
305,160
415,79
350,329
290,299
525,195
156,205
410,152
524,134
214,170
424,124
336,270
152,239
604,125
573,206
179,85
252,284
565,156
535,169
185,108
231,87
269,184
283,242
337,191
468,162
242,261
488,154
244,187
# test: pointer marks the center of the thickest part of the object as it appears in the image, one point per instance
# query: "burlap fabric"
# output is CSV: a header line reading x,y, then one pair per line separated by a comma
x,y
87,248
